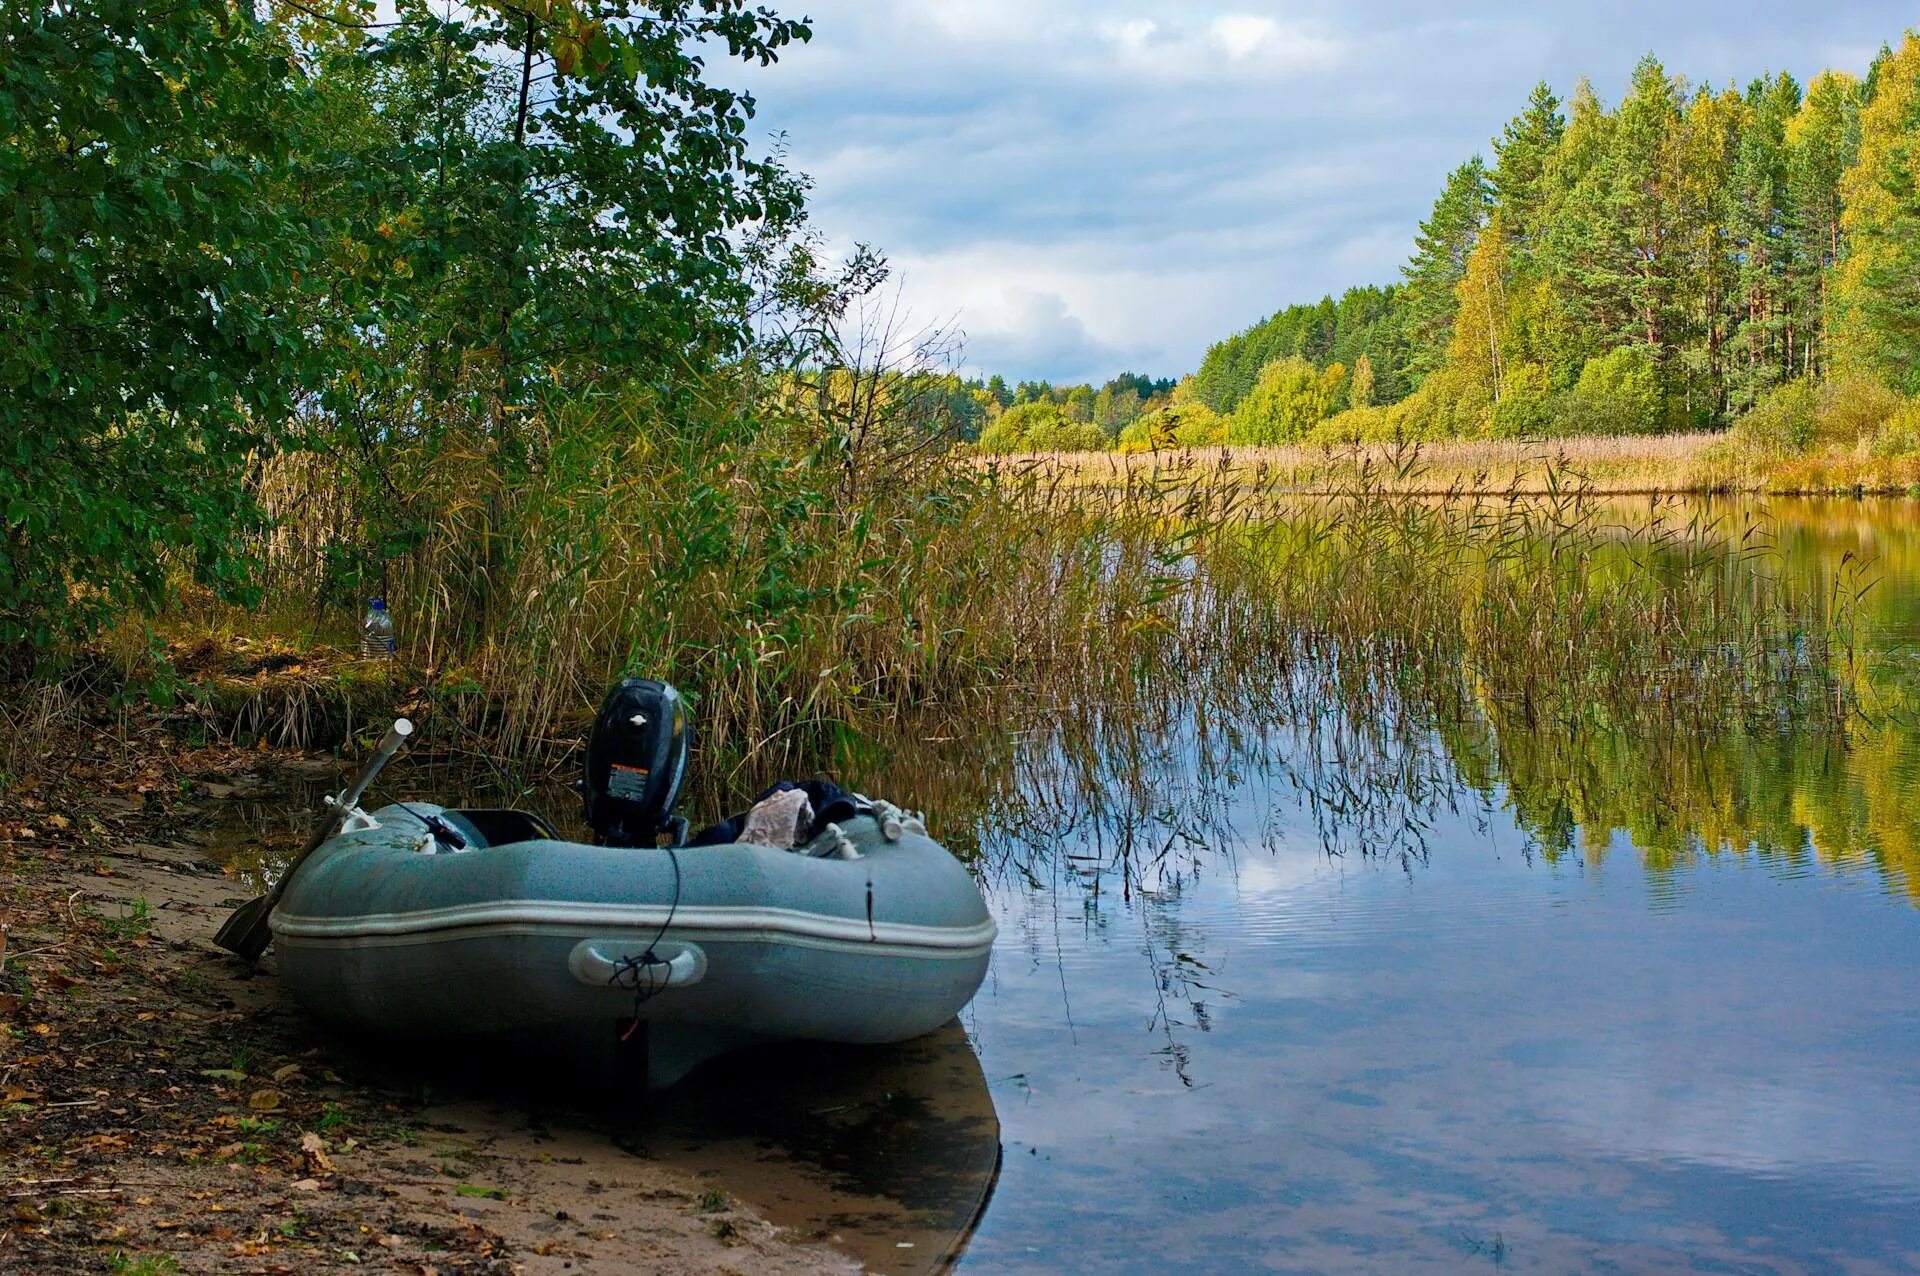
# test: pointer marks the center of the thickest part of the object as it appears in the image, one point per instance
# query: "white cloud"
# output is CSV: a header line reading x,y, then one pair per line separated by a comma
x,y
1167,174
1245,37
1241,35
1133,34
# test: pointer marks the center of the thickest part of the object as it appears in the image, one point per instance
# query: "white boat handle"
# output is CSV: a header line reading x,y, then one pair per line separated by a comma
x,y
622,963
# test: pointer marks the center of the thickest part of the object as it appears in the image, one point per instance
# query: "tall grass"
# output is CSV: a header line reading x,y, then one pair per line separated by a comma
x,y
1062,670
1600,464
791,587
792,602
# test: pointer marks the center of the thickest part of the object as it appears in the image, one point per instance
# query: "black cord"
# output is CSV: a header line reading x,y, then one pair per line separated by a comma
x,y
648,959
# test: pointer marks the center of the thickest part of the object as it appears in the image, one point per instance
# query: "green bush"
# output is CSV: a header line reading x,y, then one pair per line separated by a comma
x,y
1368,424
1783,422
1899,433
1447,405
1199,426
1187,424
1290,398
1067,436
1619,393
1528,407
1854,408
1013,431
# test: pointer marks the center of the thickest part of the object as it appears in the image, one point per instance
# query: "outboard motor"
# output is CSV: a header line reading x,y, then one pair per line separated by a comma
x,y
636,759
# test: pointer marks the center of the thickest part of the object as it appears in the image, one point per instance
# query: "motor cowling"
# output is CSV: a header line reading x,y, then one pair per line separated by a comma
x,y
636,760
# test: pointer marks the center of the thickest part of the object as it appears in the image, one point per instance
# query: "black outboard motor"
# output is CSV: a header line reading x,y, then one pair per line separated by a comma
x,y
636,759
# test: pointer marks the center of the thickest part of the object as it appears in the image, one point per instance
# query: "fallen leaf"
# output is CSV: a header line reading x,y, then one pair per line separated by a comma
x,y
315,1149
264,1100
290,1070
306,1185
59,821
224,1074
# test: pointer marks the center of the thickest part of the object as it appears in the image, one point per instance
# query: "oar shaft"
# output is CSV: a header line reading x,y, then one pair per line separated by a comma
x,y
349,798
389,745
249,930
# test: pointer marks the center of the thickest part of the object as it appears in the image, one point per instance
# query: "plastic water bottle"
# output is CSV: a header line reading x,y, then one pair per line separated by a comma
x,y
376,630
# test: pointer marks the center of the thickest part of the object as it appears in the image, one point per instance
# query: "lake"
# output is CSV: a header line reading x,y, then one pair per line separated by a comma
x,y
1636,1050
1531,988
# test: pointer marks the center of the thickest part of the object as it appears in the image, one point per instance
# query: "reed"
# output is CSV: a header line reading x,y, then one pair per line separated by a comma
x,y
791,592
1613,464
1384,659
1096,664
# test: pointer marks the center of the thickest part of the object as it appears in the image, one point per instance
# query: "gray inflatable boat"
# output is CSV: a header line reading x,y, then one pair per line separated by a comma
x,y
622,962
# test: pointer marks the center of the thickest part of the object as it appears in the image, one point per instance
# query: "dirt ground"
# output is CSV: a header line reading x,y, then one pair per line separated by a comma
x,y
162,1110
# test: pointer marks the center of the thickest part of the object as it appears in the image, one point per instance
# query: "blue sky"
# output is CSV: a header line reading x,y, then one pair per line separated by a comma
x,y
1087,187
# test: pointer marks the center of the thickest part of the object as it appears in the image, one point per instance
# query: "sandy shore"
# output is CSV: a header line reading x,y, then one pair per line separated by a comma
x,y
162,1109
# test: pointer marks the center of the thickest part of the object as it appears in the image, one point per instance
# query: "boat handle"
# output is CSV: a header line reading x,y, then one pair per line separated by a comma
x,y
619,963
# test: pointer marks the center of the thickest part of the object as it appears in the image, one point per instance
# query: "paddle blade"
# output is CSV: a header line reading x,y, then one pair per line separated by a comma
x,y
247,933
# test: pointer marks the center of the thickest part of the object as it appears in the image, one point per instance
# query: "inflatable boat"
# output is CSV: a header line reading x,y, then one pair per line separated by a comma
x,y
635,959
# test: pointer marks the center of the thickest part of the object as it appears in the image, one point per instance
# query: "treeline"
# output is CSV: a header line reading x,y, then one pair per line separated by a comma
x,y
1667,264
945,407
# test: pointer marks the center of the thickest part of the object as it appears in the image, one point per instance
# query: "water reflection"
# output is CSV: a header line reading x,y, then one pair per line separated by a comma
x,y
1357,955
890,1153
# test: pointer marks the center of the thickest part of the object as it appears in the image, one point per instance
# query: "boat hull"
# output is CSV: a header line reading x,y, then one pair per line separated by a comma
x,y
615,961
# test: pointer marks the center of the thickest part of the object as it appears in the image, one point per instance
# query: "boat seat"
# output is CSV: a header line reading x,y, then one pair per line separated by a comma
x,y
500,826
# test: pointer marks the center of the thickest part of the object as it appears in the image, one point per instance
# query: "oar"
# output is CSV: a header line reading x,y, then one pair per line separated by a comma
x,y
247,932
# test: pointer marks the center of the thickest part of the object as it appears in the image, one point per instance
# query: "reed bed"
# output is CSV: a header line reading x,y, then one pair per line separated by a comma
x,y
1622,464
1097,665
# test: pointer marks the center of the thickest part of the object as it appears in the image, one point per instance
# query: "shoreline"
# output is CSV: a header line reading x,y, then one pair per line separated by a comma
x,y
1696,464
168,1111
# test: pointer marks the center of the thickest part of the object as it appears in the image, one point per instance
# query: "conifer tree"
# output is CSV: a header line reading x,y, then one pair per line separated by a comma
x,y
1439,262
1640,168
1523,151
1822,143
1702,266
1763,237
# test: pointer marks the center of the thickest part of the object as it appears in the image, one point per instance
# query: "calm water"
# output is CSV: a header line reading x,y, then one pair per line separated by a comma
x,y
1619,1004
1524,1051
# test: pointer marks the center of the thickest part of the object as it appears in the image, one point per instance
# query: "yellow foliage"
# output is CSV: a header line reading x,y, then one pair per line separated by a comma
x,y
1886,161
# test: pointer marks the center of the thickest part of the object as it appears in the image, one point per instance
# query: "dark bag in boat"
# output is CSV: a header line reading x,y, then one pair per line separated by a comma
x,y
831,805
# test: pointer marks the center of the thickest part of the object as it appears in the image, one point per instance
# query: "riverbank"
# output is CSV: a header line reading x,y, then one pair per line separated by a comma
x,y
1618,465
166,1111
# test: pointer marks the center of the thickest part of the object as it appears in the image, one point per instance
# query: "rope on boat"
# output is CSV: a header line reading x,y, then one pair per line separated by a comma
x,y
632,966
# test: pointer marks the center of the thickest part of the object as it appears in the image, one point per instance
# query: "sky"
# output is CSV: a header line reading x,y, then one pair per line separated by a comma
x,y
1084,187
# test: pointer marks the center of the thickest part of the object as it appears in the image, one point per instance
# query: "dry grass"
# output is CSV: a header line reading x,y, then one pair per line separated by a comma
x,y
1846,469
806,619
1622,465
1633,464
